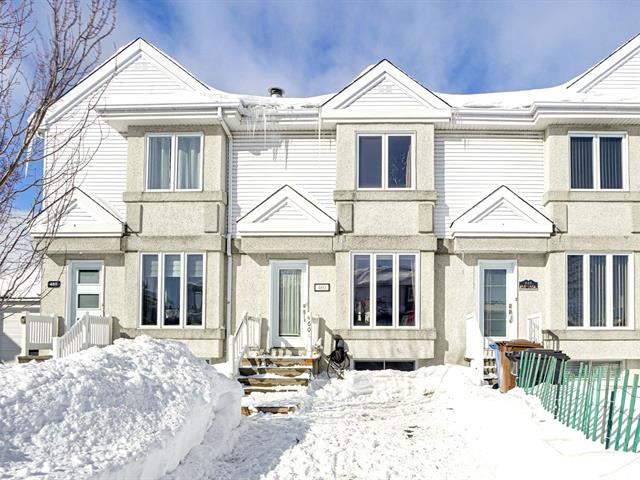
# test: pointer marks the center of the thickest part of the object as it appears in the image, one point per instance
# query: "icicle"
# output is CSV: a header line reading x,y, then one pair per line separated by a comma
x,y
319,131
26,165
264,127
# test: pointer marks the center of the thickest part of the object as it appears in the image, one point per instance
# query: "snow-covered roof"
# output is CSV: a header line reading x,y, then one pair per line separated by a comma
x,y
614,80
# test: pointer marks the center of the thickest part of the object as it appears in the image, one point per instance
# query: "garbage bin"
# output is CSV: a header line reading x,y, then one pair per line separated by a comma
x,y
515,357
506,380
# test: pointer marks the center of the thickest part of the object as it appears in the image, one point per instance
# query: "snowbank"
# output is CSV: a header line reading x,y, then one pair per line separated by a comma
x,y
130,410
434,423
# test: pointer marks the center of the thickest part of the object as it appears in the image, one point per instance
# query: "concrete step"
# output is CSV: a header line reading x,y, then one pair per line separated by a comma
x,y
37,358
272,381
276,361
281,371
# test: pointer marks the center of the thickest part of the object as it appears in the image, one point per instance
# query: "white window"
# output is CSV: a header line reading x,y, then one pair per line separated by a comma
x,y
385,290
386,161
174,161
599,290
598,161
172,289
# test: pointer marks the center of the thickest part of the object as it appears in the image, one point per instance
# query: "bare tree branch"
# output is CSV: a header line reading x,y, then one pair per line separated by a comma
x,y
38,66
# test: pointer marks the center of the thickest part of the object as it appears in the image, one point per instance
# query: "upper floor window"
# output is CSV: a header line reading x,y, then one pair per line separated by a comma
x,y
598,161
386,161
385,290
174,161
599,290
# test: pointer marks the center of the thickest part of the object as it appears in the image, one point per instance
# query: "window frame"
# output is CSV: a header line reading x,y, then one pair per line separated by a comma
x,y
396,285
384,363
183,290
586,294
385,159
173,162
596,136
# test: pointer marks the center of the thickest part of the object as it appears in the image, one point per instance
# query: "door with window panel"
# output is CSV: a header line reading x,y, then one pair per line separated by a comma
x,y
498,299
289,303
86,289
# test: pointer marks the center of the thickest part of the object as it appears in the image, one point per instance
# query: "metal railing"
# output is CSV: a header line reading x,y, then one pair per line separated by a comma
x,y
534,328
246,336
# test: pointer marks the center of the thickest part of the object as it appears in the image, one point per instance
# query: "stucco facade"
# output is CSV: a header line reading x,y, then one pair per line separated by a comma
x,y
490,190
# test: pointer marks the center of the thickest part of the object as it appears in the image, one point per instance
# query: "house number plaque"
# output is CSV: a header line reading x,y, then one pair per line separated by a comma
x,y
53,284
321,287
528,285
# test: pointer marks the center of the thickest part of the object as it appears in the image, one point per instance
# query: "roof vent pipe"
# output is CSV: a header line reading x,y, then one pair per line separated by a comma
x,y
276,92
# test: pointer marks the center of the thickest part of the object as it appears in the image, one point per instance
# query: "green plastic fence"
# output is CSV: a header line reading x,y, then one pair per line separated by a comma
x,y
591,401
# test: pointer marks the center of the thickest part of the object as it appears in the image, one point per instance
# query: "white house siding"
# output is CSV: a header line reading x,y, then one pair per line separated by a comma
x,y
262,164
102,146
144,76
385,93
11,328
469,166
625,77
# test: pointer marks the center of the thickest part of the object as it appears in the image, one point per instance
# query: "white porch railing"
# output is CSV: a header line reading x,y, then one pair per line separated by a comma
x,y
474,351
246,336
534,327
38,332
89,331
313,338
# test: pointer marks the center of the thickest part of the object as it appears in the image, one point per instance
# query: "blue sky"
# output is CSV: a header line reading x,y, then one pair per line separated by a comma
x,y
312,48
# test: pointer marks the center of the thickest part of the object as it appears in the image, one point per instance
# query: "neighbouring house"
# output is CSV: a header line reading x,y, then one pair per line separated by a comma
x,y
402,219
24,299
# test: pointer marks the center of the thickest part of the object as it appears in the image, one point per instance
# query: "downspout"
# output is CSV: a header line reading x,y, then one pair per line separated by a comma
x,y
229,243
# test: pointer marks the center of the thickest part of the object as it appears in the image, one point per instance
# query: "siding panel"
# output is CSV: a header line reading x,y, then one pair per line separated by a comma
x,y
264,164
469,166
100,147
625,77
385,93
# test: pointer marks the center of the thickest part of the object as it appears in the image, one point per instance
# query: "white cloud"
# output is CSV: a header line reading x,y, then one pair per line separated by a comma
x,y
314,48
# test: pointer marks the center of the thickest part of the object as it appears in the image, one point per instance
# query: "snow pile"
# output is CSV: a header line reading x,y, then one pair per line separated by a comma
x,y
130,410
434,423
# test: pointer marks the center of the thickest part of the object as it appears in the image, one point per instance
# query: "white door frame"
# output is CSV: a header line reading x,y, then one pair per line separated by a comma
x,y
275,340
511,266
72,286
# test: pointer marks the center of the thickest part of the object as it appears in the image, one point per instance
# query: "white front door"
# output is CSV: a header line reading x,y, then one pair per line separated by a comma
x,y
498,305
289,297
85,290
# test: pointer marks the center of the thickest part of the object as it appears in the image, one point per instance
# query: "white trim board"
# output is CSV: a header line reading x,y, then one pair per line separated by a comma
x,y
385,93
502,214
302,217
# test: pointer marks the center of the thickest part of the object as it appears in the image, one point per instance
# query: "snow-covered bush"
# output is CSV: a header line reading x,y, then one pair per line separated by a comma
x,y
130,410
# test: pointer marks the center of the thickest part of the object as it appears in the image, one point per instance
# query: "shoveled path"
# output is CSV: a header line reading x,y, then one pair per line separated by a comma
x,y
432,424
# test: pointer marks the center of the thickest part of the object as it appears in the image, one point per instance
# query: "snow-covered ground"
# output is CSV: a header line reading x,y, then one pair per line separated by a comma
x,y
143,407
433,423
131,410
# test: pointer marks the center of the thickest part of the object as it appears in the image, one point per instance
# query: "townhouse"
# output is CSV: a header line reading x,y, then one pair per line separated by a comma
x,y
386,213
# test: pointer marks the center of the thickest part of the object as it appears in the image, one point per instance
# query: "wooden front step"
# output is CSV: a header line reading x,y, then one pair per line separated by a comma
x,y
281,371
37,358
275,361
248,390
282,410
273,381
287,351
